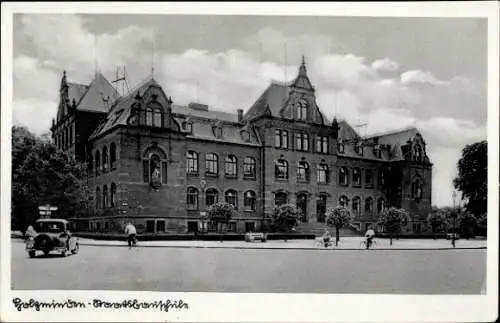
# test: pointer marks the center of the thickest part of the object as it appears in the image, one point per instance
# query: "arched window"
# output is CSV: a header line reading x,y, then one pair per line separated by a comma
x,y
249,168
112,155
303,171
280,198
340,147
212,196
356,176
97,162
97,198
249,200
231,166
323,172
416,190
343,201
281,169
192,162
105,158
192,198
155,167
369,205
369,178
232,198
380,205
211,164
356,204
105,196
114,201
343,176
90,164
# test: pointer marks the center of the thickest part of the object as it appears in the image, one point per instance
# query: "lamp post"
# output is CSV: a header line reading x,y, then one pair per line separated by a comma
x,y
203,214
454,215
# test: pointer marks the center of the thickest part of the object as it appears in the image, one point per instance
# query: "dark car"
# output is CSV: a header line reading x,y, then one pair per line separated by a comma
x,y
52,235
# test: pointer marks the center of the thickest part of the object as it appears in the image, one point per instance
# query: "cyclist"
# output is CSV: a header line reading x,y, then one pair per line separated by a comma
x,y
370,235
131,233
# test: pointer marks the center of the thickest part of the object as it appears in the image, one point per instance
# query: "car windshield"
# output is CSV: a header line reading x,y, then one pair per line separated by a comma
x,y
51,227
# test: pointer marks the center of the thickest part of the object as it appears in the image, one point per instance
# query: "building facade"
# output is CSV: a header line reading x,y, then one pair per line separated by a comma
x,y
161,165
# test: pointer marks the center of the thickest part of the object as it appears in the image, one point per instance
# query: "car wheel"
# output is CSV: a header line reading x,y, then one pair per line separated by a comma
x,y
31,254
64,253
75,250
46,252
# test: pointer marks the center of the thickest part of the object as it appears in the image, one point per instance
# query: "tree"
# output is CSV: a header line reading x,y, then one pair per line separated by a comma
x,y
467,224
393,220
285,217
436,219
472,177
220,213
42,174
338,217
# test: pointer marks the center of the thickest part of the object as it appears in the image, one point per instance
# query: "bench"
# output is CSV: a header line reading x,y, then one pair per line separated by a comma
x,y
251,237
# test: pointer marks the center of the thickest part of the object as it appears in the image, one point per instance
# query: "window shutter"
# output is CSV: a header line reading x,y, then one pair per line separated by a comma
x,y
145,170
164,172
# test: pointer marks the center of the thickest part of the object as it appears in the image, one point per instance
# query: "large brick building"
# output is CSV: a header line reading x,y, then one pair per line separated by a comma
x,y
161,165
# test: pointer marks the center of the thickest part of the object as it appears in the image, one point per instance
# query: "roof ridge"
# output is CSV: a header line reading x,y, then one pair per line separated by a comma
x,y
391,132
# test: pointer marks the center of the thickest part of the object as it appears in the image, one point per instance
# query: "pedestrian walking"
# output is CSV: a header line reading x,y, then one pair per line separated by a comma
x,y
370,235
131,233
326,238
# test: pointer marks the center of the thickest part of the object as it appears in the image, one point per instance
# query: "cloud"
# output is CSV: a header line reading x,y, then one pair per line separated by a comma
x,y
449,112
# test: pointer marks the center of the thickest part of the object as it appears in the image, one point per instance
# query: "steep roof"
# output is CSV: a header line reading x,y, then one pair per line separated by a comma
x,y
98,91
208,114
121,108
274,97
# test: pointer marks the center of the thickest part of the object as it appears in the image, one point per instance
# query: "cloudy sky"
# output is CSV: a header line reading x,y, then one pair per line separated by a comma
x,y
389,72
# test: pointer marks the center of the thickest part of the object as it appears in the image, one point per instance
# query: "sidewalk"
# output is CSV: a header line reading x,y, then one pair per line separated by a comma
x,y
347,243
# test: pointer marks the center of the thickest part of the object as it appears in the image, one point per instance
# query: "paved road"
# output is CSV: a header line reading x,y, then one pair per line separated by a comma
x,y
255,271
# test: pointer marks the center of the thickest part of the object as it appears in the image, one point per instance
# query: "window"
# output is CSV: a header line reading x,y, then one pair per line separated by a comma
x,y
323,173
358,147
105,197
343,201
381,178
153,117
112,155
322,144
281,169
356,176
160,226
211,164
343,177
340,147
356,204
249,167
416,227
192,163
97,162
302,141
97,198
380,205
155,167
302,110
192,198
232,198
368,178
113,195
369,205
70,131
416,190
417,153
303,172
280,198
249,200
212,196
281,139
377,151
231,166
105,159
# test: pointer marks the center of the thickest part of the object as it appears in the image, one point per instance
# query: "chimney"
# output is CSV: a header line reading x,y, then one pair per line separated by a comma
x,y
240,115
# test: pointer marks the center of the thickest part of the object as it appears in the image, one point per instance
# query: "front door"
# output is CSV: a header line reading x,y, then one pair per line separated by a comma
x,y
302,205
192,226
321,209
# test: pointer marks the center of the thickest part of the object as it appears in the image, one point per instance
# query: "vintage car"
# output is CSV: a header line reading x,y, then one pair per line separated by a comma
x,y
52,235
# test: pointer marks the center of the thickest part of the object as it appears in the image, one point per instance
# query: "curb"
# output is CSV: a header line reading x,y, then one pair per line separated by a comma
x,y
276,248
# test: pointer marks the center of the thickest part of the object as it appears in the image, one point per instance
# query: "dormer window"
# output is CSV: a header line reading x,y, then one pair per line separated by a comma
x,y
377,151
153,117
217,130
245,135
340,147
187,126
302,110
358,147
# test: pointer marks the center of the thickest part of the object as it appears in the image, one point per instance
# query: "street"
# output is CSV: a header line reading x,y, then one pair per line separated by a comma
x,y
253,271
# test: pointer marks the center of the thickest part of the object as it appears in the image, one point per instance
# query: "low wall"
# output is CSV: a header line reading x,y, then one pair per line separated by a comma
x,y
207,237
